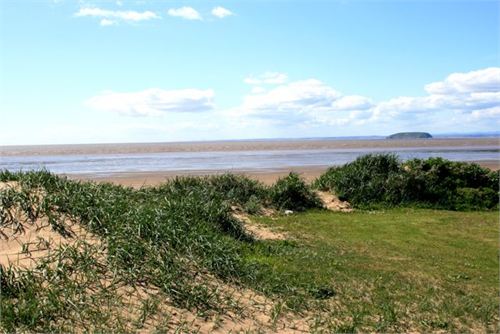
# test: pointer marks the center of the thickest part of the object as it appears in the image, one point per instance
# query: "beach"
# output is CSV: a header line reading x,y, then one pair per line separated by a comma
x,y
145,164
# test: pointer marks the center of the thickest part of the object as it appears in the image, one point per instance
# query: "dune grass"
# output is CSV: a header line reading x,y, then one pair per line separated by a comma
x,y
397,270
179,238
179,244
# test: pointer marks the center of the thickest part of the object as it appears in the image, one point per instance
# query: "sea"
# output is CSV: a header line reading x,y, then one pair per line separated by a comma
x,y
109,164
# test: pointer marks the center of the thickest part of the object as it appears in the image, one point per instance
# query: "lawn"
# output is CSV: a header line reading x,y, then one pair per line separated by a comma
x,y
393,270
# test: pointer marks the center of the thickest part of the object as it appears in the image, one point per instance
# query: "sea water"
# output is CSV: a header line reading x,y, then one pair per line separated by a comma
x,y
107,164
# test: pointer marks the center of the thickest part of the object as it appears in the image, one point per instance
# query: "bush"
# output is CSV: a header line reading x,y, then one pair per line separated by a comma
x,y
238,189
292,193
434,182
364,180
475,199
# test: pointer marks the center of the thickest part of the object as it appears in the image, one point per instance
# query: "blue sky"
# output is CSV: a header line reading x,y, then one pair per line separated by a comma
x,y
138,71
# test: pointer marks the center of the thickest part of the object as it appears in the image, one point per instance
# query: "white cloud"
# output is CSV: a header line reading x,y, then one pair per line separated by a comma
x,y
296,96
466,96
258,90
221,12
352,102
485,80
306,102
187,13
472,93
107,22
154,102
312,104
113,15
273,78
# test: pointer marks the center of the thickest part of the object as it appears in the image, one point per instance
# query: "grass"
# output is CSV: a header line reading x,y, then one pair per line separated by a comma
x,y
178,244
397,270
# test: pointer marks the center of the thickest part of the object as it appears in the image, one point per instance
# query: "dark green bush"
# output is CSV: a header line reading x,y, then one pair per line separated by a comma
x,y
238,189
292,193
434,182
475,198
364,180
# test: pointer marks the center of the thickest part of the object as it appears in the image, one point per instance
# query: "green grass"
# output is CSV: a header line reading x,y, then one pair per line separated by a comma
x,y
396,270
387,270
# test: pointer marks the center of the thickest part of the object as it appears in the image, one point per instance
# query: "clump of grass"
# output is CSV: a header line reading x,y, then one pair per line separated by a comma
x,y
374,180
292,193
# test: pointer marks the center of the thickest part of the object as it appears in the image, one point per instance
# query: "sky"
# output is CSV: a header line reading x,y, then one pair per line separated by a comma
x,y
83,71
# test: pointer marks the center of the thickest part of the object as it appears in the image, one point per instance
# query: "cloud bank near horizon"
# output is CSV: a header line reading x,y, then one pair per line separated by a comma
x,y
462,97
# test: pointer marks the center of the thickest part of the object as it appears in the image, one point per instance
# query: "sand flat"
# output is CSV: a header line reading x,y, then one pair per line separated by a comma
x,y
243,145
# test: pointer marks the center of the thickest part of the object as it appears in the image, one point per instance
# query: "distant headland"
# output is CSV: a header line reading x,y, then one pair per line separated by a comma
x,y
410,135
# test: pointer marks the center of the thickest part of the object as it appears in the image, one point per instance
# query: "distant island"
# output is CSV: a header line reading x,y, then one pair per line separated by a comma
x,y
410,135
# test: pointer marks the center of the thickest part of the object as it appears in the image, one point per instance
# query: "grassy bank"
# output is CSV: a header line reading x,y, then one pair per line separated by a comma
x,y
179,256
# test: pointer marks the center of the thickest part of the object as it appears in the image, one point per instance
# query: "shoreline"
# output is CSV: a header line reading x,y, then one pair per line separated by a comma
x,y
266,176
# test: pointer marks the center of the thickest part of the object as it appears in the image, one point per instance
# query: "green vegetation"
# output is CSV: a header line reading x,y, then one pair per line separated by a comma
x,y
179,244
397,270
291,193
410,135
162,237
383,180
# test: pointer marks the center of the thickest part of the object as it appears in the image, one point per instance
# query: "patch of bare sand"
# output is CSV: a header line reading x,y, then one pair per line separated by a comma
x,y
25,240
9,185
251,312
333,203
259,231
37,240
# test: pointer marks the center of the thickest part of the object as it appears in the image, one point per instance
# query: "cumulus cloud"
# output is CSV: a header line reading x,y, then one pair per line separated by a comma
x,y
221,12
306,102
272,78
460,98
154,102
485,80
188,13
474,93
109,17
468,96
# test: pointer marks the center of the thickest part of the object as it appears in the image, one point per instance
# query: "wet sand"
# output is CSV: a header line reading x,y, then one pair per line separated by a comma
x,y
243,145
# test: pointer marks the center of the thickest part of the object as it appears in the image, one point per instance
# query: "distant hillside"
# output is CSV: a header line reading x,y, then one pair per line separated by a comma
x,y
410,135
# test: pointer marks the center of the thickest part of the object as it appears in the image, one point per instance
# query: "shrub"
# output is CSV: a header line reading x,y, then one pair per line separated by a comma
x,y
475,199
253,206
364,180
238,189
292,193
434,182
